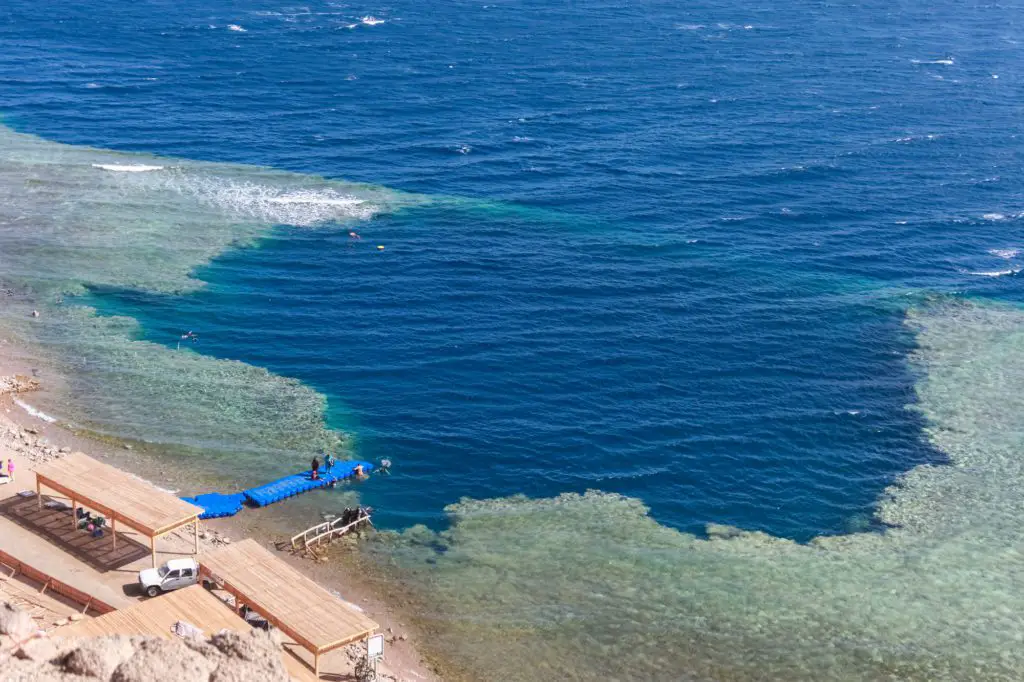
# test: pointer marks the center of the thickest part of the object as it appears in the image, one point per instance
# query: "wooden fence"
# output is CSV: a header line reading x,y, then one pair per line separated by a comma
x,y
52,584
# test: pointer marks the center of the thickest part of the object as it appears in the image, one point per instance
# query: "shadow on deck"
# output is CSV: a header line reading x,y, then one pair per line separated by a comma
x,y
56,526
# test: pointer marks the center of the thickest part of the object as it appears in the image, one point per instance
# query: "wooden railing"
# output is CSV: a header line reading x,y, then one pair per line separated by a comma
x,y
50,583
328,530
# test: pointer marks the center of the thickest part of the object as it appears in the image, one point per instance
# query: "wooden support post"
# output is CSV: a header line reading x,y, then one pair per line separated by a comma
x,y
196,546
113,530
74,515
152,548
39,495
87,605
316,664
45,586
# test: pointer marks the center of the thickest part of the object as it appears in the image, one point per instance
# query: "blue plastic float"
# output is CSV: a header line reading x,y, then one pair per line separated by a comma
x,y
216,505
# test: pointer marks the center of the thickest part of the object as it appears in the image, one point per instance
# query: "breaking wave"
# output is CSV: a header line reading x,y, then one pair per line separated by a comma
x,y
127,168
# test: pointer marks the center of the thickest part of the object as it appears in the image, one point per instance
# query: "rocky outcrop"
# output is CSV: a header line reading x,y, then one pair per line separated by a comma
x,y
28,443
224,657
18,383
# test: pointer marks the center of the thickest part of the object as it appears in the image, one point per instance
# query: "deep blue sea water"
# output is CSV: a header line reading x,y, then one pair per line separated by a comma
x,y
689,237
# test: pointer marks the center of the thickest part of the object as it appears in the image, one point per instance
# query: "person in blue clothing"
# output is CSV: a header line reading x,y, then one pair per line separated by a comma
x,y
330,462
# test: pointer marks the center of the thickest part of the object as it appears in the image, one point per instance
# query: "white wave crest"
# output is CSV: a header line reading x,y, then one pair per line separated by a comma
x,y
127,168
34,412
236,27
1004,253
370,20
948,61
301,207
997,273
994,216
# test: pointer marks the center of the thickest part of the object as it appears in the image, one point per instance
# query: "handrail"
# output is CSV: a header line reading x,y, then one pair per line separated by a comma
x,y
327,529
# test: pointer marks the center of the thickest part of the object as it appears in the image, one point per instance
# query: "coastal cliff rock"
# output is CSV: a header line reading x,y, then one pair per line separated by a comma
x,y
224,657
18,383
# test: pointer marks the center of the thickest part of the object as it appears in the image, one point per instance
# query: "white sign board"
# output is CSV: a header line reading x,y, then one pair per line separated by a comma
x,y
375,646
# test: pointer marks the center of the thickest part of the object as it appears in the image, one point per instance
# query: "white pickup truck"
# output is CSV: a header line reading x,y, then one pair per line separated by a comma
x,y
172,575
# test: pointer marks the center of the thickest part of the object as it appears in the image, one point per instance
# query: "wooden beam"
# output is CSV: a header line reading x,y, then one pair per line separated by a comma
x,y
316,664
39,494
152,548
113,530
196,537
74,515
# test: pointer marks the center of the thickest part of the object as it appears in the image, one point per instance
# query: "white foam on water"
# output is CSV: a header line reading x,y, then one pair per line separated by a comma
x,y
1004,253
370,20
994,216
316,198
996,273
39,414
127,168
237,28
302,207
948,61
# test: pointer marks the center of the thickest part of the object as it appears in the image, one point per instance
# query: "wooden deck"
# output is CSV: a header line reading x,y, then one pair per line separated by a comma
x,y
156,616
103,488
290,601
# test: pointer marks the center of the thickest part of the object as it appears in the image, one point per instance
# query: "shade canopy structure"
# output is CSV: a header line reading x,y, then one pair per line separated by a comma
x,y
316,619
156,617
119,496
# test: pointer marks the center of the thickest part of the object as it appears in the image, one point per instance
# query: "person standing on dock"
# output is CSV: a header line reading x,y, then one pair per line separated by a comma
x,y
329,462
316,469
10,471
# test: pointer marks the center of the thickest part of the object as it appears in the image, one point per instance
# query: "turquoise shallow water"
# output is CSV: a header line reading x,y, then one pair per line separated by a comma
x,y
739,264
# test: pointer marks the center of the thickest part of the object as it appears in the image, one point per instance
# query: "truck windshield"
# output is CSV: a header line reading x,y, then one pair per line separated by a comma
x,y
162,571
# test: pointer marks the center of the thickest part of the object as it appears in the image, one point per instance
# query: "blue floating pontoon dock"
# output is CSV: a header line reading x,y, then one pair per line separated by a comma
x,y
216,505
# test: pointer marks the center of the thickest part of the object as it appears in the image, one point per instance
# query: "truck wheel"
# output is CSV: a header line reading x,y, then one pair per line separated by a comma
x,y
152,590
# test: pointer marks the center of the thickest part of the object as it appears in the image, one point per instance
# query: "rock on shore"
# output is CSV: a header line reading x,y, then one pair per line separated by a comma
x,y
17,384
224,657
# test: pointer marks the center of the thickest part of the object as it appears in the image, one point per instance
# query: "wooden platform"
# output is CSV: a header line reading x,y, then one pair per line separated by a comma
x,y
290,601
156,616
103,488
118,496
